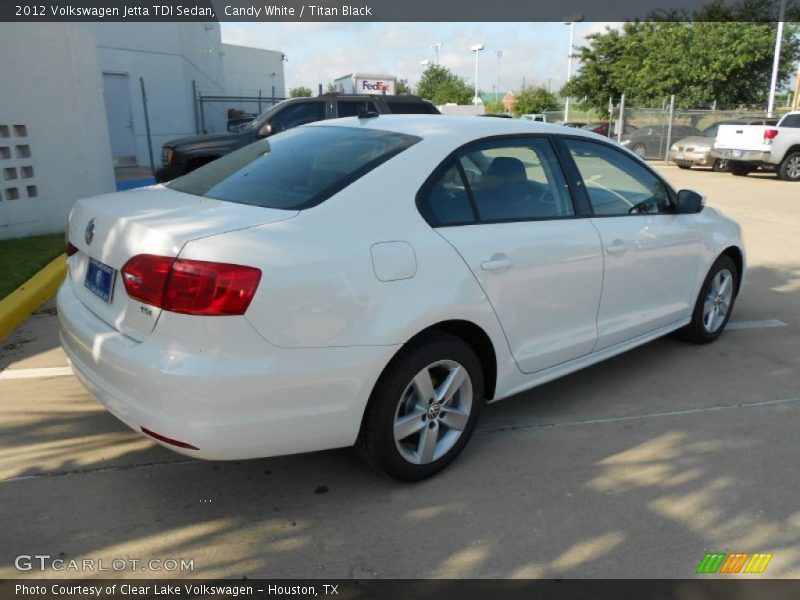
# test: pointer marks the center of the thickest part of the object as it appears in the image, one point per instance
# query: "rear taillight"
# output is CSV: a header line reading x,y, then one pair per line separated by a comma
x,y
192,287
71,248
770,134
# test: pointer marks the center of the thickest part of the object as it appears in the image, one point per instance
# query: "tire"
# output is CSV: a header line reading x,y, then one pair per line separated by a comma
x,y
789,169
685,167
397,399
702,329
720,165
640,150
738,168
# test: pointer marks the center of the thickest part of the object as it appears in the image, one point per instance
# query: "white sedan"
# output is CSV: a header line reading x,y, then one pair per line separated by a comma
x,y
373,282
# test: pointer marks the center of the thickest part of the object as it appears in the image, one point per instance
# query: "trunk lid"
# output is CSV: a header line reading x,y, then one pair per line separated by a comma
x,y
742,137
154,220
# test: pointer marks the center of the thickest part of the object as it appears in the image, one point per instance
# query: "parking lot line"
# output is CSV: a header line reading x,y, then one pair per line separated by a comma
x,y
655,415
756,324
34,373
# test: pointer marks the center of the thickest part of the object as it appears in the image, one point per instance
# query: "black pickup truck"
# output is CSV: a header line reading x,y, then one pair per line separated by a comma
x,y
180,156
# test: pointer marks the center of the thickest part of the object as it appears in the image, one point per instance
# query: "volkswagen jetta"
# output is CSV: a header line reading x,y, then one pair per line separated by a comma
x,y
373,282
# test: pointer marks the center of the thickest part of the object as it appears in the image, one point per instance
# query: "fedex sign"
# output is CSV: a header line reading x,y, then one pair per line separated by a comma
x,y
375,86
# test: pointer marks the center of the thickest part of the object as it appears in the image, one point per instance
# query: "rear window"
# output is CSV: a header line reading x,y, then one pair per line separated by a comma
x,y
296,169
401,107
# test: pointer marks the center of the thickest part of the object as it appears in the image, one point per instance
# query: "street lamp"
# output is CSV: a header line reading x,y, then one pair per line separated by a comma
x,y
499,54
476,48
577,18
436,46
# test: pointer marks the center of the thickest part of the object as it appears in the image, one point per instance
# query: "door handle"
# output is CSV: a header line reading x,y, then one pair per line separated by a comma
x,y
617,247
496,264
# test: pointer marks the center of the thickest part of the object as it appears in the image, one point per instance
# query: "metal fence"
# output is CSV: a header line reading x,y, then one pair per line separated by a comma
x,y
219,110
650,131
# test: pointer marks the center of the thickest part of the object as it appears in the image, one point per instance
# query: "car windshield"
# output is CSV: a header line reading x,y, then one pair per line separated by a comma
x,y
295,169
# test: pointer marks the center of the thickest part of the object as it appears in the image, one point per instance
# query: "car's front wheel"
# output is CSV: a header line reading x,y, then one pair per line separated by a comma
x,y
714,304
640,150
423,409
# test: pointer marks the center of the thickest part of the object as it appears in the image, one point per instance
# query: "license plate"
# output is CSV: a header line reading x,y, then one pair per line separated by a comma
x,y
100,280
736,153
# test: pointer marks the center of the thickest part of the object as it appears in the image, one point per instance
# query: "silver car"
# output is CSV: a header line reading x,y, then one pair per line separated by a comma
x,y
693,151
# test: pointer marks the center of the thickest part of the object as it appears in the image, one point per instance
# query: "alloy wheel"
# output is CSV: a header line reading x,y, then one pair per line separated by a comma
x,y
433,412
718,301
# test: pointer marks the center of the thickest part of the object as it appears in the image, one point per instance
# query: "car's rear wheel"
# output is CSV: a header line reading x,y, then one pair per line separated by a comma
x,y
714,304
789,169
423,409
720,165
684,166
738,168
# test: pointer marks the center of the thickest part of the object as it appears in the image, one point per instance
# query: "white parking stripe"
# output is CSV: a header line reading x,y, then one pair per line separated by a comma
x,y
34,373
756,324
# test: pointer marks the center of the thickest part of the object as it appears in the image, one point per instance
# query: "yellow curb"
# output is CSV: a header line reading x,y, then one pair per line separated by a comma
x,y
19,304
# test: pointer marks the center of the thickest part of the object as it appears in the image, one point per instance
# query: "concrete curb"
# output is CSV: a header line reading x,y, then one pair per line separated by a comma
x,y
19,304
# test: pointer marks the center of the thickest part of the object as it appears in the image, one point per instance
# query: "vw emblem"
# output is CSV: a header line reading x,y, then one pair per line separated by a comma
x,y
89,236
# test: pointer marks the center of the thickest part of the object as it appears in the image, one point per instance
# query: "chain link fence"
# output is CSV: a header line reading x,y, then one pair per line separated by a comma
x,y
217,110
651,131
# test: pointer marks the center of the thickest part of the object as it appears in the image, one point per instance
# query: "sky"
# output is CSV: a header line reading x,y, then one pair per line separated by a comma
x,y
318,53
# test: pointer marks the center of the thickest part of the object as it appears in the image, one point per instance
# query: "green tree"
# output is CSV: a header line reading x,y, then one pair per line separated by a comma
x,y
494,106
402,87
700,62
533,100
300,92
440,85
329,89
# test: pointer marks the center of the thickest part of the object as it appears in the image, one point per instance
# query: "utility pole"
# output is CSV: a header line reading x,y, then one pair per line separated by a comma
x,y
499,54
436,46
776,59
476,48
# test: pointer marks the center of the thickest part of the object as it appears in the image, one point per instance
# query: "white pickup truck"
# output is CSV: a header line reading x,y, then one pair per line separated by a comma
x,y
748,147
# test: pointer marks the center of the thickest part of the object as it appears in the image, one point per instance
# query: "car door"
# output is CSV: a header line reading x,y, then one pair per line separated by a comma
x,y
651,252
350,107
505,206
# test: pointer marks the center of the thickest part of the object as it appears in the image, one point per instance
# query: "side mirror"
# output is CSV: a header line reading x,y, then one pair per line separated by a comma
x,y
690,202
265,131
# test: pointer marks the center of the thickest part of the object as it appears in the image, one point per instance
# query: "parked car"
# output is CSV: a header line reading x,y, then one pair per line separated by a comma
x,y
695,151
576,124
601,128
372,282
650,141
184,155
749,147
538,118
497,115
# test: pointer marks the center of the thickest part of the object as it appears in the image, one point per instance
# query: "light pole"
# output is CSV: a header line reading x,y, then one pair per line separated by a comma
x,y
499,54
476,48
776,59
571,22
436,46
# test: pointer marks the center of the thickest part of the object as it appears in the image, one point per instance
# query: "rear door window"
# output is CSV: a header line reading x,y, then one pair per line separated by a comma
x,y
405,107
352,108
296,169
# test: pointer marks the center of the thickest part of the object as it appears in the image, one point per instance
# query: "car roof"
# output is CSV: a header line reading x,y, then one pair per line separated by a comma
x,y
453,129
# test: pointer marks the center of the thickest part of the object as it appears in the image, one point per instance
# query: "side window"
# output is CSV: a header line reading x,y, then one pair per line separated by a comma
x,y
447,200
517,180
298,114
617,184
792,121
400,107
351,108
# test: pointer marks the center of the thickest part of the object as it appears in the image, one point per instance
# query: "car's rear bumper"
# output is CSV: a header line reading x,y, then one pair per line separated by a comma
x,y
742,155
213,383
